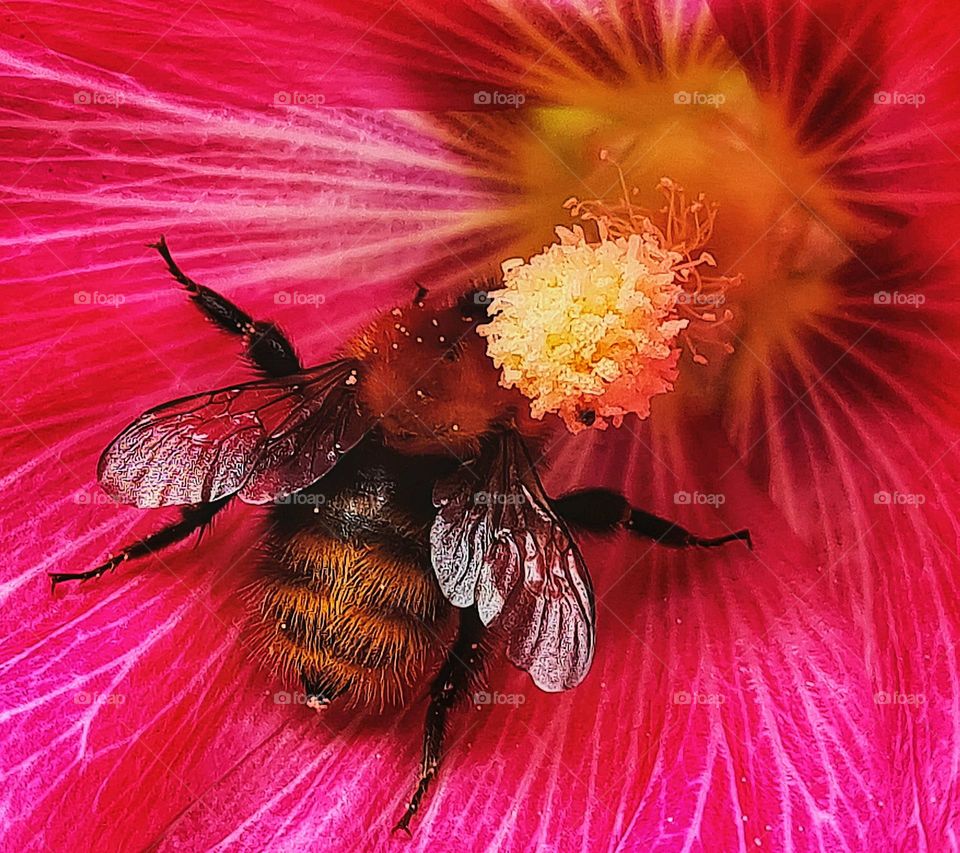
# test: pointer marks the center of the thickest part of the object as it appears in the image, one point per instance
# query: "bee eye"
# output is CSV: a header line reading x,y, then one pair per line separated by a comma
x,y
588,417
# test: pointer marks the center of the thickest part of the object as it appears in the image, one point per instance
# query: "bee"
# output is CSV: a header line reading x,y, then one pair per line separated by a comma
x,y
404,494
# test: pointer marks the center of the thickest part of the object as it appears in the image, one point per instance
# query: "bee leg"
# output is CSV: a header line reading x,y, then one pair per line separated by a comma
x,y
267,347
192,518
460,672
605,511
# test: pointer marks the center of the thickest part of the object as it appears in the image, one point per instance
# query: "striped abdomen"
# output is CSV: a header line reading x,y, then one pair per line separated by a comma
x,y
352,619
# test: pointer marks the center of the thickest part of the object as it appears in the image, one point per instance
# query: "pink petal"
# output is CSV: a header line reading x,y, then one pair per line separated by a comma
x,y
845,598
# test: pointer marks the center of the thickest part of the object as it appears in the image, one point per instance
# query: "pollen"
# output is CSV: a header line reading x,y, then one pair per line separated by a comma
x,y
593,329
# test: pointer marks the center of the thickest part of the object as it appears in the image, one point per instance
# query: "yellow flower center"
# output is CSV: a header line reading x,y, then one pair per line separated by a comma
x,y
782,225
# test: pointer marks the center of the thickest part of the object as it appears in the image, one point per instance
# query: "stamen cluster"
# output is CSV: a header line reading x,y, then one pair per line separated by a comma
x,y
592,330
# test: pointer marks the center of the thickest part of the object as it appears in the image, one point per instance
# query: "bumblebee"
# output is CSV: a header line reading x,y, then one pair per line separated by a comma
x,y
403,494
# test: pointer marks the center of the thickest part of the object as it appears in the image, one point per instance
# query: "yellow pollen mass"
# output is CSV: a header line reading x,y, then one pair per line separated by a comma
x,y
591,330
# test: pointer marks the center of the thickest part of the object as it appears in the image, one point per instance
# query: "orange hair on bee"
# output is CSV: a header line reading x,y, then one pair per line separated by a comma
x,y
357,619
427,380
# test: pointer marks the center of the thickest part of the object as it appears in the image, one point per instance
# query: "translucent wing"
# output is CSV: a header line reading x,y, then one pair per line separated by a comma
x,y
497,544
263,440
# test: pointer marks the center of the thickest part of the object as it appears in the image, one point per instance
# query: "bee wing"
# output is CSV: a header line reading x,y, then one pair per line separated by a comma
x,y
263,439
497,543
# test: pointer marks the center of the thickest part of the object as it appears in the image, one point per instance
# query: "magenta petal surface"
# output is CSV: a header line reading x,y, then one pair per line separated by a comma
x,y
803,697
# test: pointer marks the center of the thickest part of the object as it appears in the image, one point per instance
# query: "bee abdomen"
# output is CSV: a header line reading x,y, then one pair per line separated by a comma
x,y
368,576
368,637
359,621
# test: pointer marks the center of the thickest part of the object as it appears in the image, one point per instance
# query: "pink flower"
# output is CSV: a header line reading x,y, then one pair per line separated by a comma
x,y
313,162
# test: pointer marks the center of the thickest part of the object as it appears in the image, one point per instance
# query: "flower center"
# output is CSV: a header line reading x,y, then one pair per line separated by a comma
x,y
780,224
592,330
